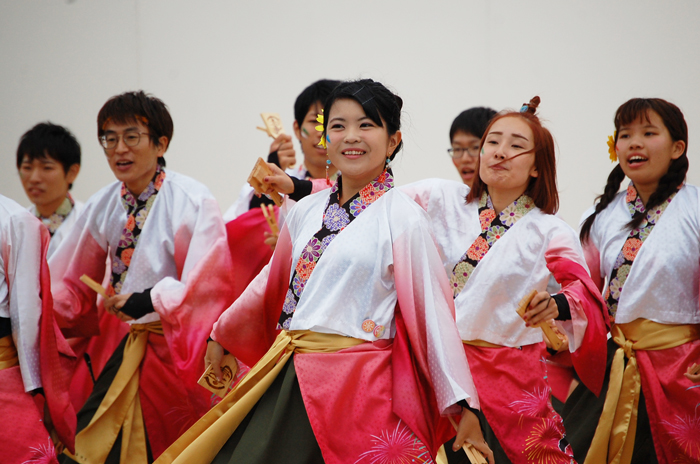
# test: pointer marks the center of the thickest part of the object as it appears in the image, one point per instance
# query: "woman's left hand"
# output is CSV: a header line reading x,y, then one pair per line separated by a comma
x,y
693,377
542,308
469,431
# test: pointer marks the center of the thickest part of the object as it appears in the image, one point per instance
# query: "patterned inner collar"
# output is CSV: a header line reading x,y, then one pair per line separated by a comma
x,y
54,221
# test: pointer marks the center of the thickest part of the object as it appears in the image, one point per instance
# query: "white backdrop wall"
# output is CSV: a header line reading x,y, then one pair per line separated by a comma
x,y
218,64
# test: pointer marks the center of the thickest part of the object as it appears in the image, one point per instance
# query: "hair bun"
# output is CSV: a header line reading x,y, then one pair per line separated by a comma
x,y
531,107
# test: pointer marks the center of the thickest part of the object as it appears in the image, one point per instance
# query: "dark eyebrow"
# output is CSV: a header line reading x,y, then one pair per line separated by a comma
x,y
521,137
133,128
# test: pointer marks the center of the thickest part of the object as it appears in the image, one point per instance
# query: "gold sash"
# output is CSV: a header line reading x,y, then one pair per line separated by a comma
x,y
8,353
202,442
481,343
120,408
614,437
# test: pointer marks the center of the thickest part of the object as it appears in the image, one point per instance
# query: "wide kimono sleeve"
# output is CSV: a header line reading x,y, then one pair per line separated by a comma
x,y
248,327
428,358
587,329
189,305
45,359
83,251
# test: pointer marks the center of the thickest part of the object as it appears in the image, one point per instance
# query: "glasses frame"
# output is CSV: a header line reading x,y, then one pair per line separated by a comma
x,y
103,139
453,152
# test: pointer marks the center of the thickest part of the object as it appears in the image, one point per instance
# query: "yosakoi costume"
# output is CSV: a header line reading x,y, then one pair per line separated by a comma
x,y
33,355
494,260
60,223
168,248
352,338
649,278
91,353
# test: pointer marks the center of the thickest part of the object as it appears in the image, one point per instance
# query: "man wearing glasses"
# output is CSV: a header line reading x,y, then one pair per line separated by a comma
x,y
465,137
170,263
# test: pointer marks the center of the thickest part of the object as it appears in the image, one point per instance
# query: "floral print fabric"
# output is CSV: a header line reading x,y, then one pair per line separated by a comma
x,y
54,221
335,219
137,209
493,227
625,259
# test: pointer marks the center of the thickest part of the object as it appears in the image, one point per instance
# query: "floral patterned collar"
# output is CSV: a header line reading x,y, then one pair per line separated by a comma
x,y
630,249
137,209
493,227
335,219
55,221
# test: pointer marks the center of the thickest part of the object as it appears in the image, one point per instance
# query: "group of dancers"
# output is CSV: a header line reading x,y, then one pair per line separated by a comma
x,y
383,328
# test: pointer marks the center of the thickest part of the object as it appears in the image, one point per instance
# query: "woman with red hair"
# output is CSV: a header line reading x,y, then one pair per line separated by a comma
x,y
492,268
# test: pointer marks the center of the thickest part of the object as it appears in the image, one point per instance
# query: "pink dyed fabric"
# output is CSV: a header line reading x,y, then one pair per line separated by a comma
x,y
362,400
672,402
26,440
515,399
589,357
249,253
57,359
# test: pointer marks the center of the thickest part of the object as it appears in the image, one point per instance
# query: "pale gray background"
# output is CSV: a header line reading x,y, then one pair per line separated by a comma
x,y
218,64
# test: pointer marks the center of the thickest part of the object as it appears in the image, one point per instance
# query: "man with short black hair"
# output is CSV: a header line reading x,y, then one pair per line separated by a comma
x,y
169,279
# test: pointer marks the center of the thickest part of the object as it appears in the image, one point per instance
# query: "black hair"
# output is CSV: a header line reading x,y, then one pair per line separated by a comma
x,y
674,121
47,140
378,102
138,106
315,93
472,121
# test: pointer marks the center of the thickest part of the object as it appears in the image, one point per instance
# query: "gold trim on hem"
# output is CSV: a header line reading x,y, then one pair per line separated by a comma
x,y
482,344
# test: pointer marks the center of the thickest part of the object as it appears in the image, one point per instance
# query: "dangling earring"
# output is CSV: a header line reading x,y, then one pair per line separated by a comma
x,y
328,165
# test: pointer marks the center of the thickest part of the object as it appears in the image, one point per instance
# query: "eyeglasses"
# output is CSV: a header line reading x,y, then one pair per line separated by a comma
x,y
459,152
131,139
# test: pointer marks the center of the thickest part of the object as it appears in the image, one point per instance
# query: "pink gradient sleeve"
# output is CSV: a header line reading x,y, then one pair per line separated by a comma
x,y
592,257
188,307
431,373
248,327
74,302
587,330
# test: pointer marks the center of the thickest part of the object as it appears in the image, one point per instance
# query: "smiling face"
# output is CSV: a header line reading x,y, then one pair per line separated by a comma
x,y
645,150
357,146
135,166
45,182
466,164
507,159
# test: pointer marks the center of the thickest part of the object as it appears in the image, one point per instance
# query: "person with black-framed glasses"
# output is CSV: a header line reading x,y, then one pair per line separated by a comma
x,y
465,137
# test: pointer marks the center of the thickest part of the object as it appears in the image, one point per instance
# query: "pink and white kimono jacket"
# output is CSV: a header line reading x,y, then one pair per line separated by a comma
x,y
44,356
183,256
662,286
536,247
99,349
393,388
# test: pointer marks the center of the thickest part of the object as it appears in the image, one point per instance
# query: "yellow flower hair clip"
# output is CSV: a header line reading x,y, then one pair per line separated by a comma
x,y
611,147
319,119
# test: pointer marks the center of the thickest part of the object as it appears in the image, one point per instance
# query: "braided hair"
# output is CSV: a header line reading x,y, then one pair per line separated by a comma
x,y
674,121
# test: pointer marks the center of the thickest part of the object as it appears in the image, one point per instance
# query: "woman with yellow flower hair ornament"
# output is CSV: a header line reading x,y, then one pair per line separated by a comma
x,y
642,250
350,328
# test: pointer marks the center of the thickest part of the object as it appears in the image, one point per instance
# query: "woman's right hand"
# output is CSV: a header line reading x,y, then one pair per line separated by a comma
x,y
278,181
693,377
469,431
213,357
